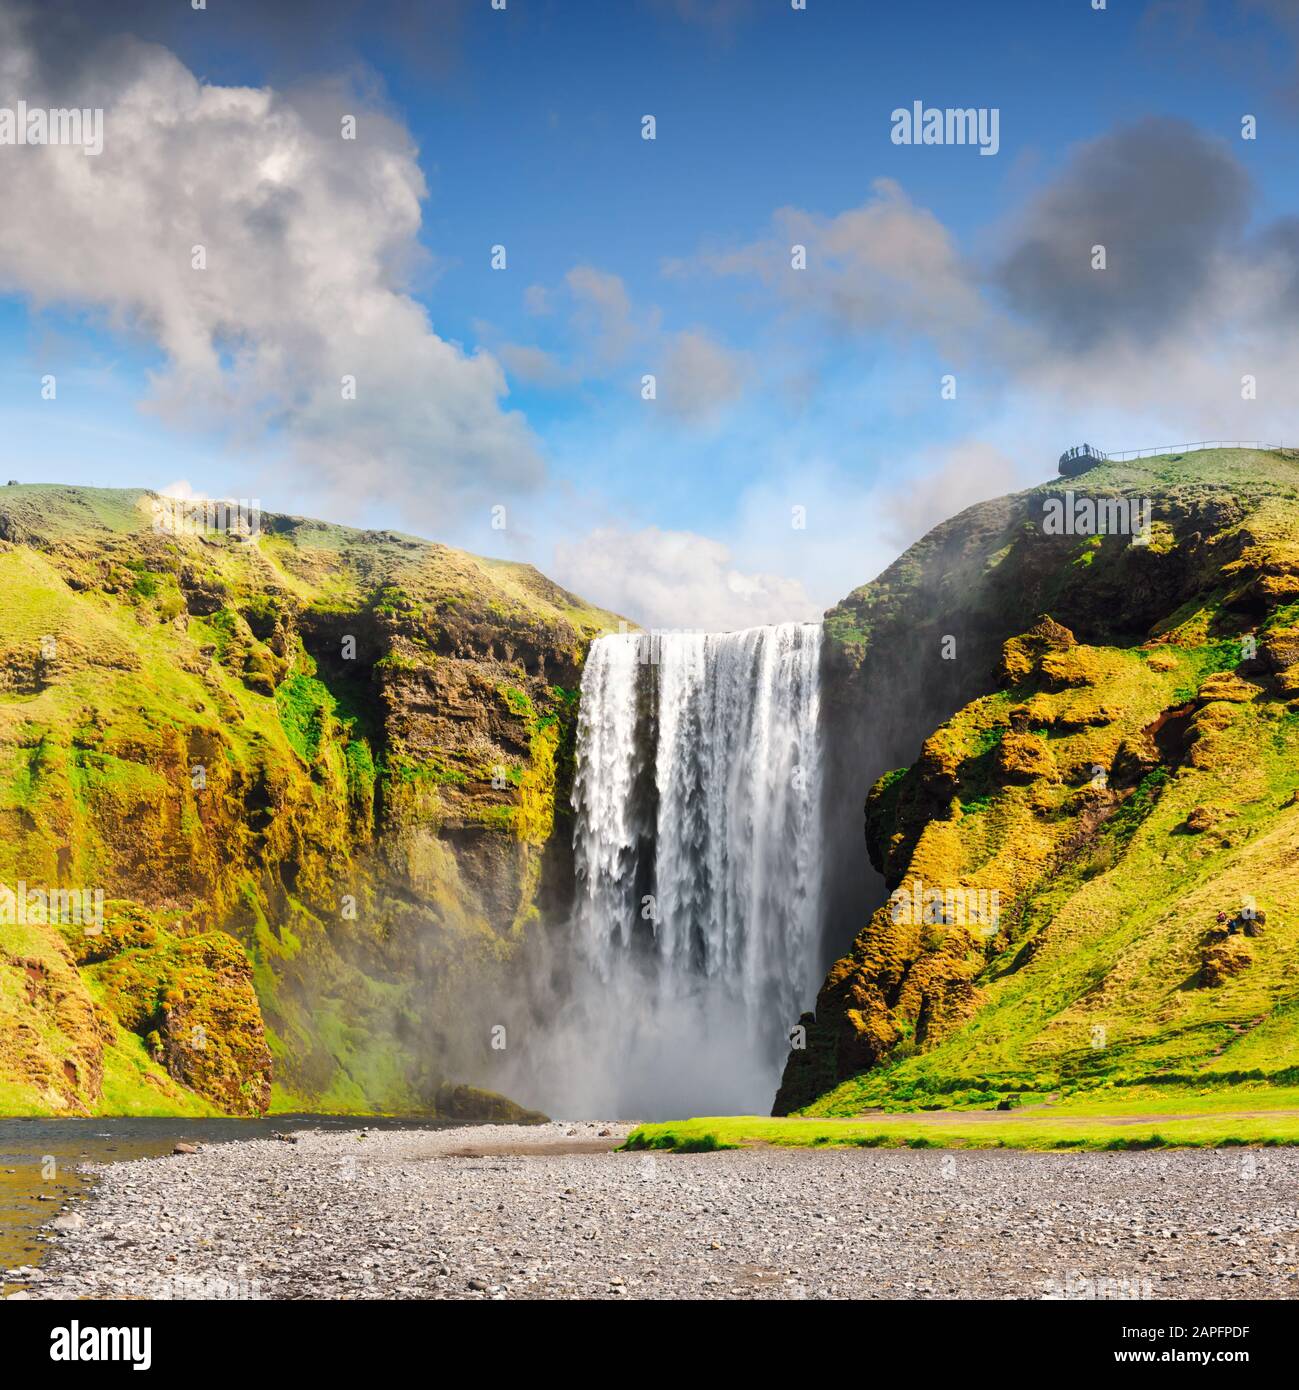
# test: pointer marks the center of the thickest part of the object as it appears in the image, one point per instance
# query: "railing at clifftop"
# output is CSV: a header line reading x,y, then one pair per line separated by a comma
x,y
1121,454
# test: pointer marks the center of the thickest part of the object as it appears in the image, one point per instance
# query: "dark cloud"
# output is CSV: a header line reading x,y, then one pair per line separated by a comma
x,y
1278,253
1253,42
1164,200
1282,13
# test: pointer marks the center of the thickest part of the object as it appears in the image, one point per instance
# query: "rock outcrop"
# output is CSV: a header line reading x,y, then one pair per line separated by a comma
x,y
1080,750
315,782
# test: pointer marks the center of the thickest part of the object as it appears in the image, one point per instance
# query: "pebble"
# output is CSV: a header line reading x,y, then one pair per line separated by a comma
x,y
505,1212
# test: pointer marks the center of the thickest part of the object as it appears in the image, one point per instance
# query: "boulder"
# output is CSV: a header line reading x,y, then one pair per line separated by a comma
x,y
1024,758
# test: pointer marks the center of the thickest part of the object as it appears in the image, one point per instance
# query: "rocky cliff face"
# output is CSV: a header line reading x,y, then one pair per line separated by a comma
x,y
1080,755
275,814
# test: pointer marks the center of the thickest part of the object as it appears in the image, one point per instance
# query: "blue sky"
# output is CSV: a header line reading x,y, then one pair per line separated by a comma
x,y
670,257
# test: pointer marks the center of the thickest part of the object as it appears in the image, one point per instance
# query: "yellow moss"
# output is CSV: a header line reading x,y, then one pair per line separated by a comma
x,y
534,812
1280,649
1020,655
1271,571
1040,710
195,998
941,755
939,858
1074,666
1024,757
1226,685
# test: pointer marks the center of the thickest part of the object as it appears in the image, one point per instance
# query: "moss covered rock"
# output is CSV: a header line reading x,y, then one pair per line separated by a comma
x,y
320,778
1114,772
471,1106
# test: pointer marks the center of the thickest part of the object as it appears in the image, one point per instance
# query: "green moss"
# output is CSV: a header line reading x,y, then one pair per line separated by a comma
x,y
520,703
361,773
432,768
492,817
392,599
305,707
1166,796
198,740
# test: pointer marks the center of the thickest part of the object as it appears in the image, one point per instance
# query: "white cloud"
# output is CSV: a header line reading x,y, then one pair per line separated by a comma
x,y
969,472
676,579
536,300
885,266
699,377
602,313
308,238
183,490
535,365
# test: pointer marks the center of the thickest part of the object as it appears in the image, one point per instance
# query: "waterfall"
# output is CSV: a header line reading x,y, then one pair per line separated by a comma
x,y
698,861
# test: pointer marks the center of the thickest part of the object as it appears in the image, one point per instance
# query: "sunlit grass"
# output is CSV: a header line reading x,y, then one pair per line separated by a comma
x,y
1188,1122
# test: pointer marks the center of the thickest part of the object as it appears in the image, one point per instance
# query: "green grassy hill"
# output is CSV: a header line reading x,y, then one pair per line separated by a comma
x,y
319,778
1114,753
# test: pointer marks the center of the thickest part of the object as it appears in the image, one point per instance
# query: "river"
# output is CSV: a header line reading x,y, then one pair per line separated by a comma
x,y
40,1161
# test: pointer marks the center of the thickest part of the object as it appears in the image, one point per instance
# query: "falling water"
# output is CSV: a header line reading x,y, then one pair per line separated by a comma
x,y
697,847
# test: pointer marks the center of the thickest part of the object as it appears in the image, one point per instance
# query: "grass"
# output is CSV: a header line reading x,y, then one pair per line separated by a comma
x,y
1108,894
118,684
1193,1121
676,1139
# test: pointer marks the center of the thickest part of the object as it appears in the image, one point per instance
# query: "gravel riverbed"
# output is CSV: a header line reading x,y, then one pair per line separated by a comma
x,y
552,1211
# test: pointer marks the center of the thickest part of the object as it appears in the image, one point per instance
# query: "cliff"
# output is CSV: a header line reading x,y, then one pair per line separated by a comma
x,y
1079,756
274,811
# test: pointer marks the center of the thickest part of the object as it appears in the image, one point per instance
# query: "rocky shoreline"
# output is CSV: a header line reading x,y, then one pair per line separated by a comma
x,y
553,1212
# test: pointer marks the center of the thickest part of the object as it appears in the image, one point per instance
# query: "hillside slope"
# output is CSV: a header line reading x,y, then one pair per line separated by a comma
x,y
318,777
1107,749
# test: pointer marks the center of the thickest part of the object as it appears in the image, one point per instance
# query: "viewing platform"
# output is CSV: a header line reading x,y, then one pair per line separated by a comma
x,y
1079,459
